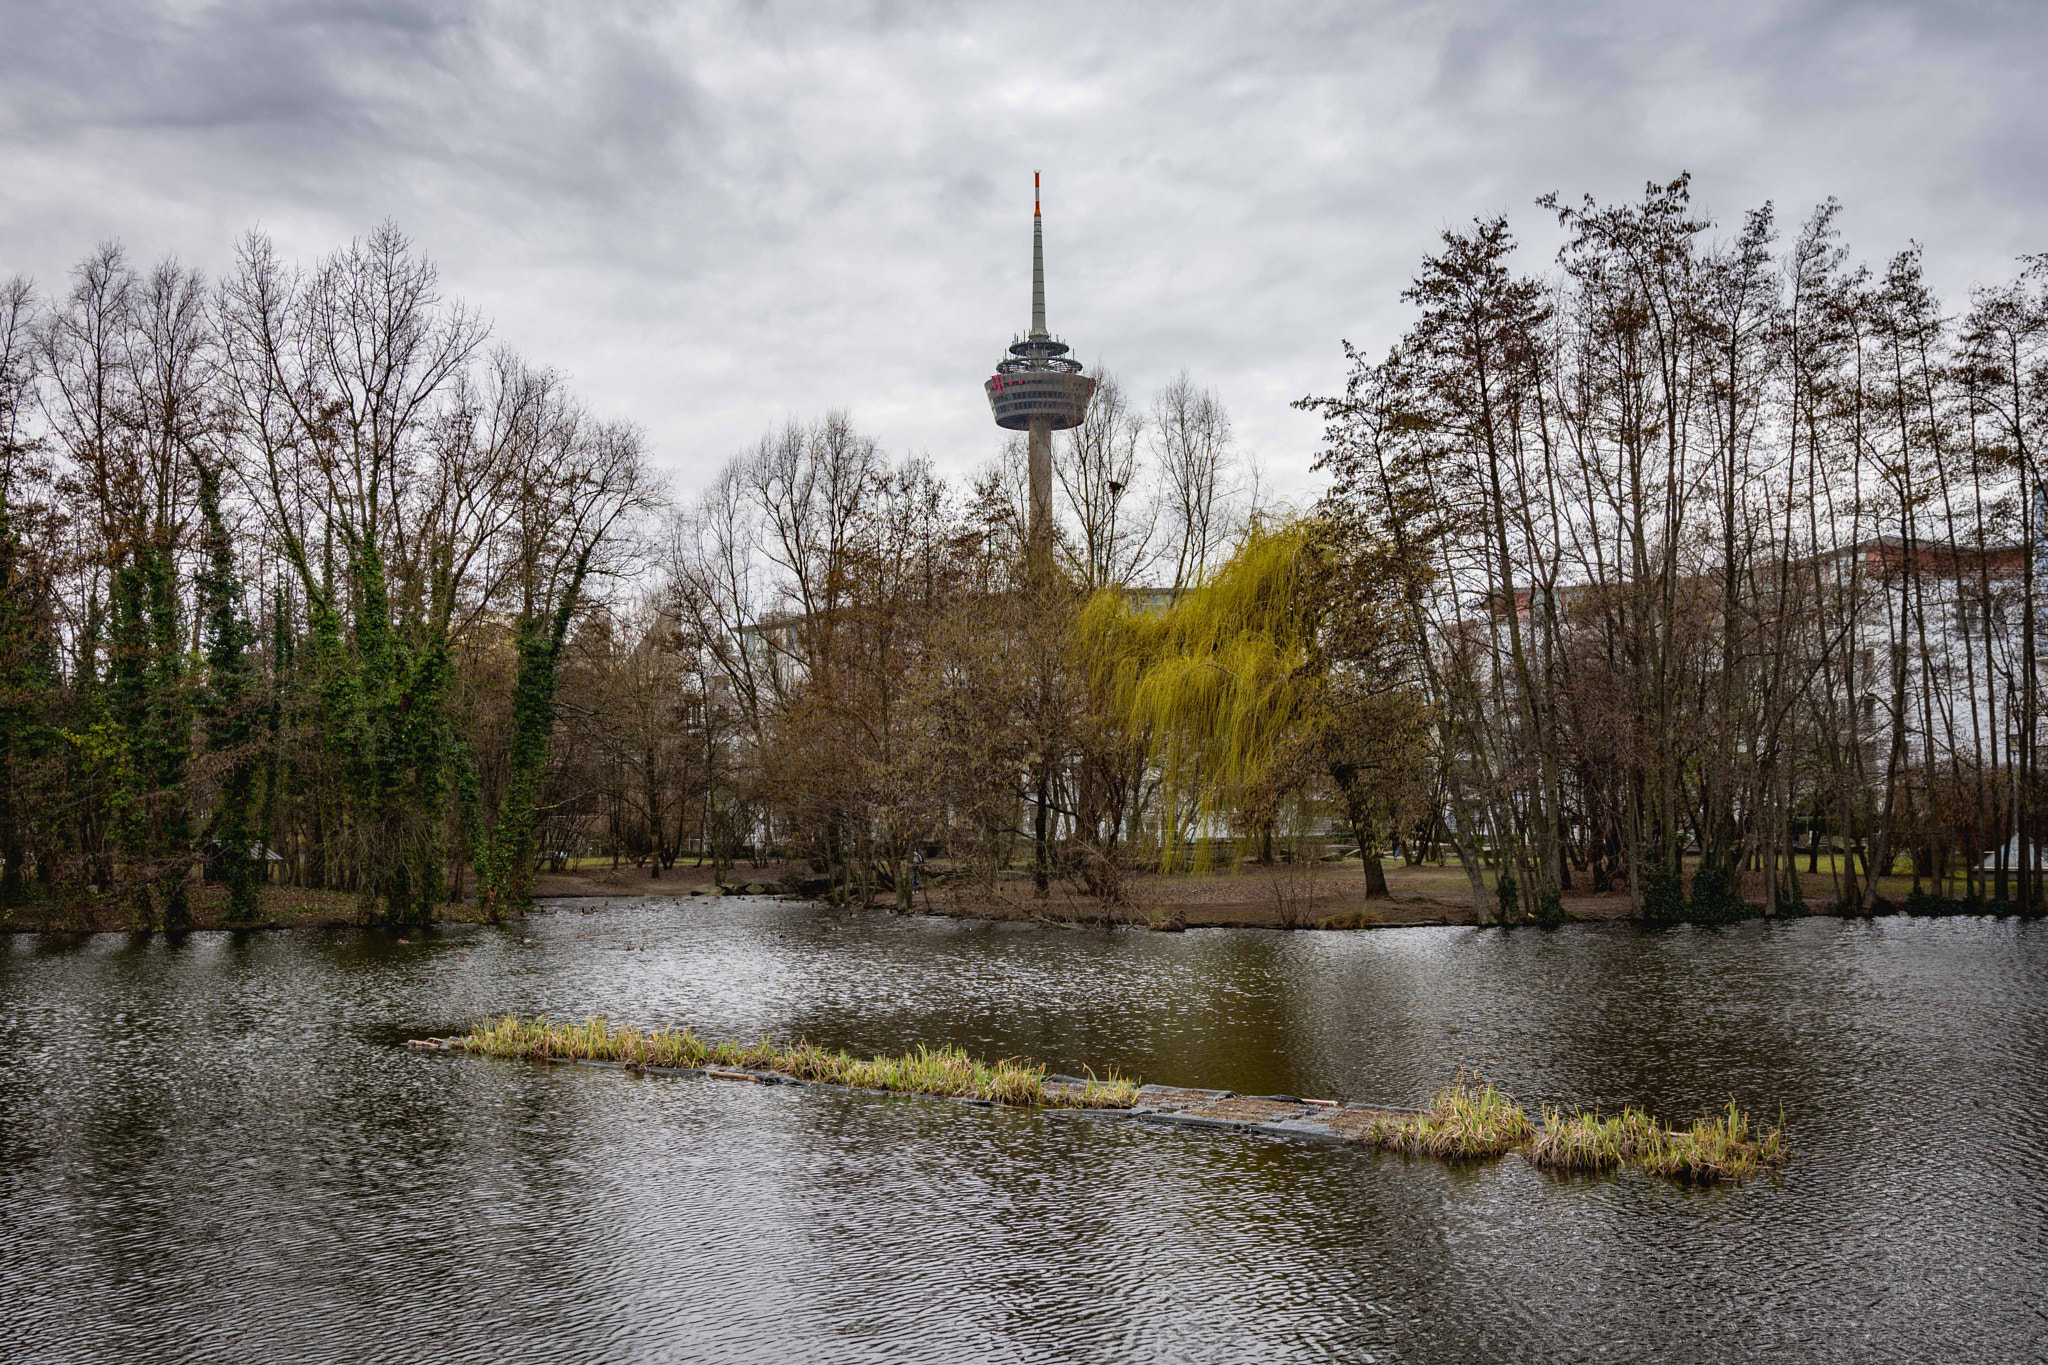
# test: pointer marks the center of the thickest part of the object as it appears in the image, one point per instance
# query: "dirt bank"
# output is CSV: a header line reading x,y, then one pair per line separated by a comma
x,y
284,907
1317,895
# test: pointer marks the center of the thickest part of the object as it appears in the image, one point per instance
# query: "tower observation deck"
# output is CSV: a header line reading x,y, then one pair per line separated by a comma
x,y
1039,389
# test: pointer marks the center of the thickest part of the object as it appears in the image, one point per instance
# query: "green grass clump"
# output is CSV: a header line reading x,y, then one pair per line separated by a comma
x,y
1588,1142
1724,1147
1472,1120
928,1071
1721,1148
943,1071
1468,1120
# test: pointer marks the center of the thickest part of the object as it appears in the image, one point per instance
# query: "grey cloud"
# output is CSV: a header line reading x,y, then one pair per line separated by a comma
x,y
718,216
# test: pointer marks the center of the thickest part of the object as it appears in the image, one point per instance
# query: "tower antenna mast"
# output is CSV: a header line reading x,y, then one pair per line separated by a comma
x,y
1037,263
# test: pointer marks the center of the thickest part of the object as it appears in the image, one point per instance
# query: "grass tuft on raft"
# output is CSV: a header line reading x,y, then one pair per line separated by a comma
x,y
1724,1147
943,1071
1471,1120
1465,1120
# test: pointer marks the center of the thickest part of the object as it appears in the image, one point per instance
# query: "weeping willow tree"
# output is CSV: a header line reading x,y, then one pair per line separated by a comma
x,y
1225,684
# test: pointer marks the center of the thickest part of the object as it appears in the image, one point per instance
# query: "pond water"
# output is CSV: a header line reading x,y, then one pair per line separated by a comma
x,y
217,1147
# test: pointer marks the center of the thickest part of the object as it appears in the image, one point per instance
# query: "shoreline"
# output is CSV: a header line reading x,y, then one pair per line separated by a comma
x,y
1326,896
1064,913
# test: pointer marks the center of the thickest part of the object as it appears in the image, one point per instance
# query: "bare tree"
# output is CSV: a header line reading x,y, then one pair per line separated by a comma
x,y
1098,471
1191,442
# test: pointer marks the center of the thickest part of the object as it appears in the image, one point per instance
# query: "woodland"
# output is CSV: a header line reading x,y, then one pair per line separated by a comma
x,y
1691,560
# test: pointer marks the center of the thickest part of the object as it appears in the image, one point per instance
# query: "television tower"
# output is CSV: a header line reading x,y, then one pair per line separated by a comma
x,y
1039,389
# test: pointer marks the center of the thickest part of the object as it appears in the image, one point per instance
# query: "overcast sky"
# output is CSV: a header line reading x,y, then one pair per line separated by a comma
x,y
716,217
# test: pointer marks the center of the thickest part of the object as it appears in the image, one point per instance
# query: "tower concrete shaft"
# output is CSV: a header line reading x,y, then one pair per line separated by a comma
x,y
1038,452
1038,389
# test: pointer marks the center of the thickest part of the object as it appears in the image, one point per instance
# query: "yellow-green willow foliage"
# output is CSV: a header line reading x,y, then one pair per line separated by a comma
x,y
1220,683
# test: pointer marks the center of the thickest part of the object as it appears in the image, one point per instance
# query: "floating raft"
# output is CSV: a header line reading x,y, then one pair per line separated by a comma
x,y
1468,1120
1279,1115
1172,1105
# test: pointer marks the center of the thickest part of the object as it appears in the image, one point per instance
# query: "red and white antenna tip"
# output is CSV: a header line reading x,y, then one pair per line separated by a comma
x,y
1034,194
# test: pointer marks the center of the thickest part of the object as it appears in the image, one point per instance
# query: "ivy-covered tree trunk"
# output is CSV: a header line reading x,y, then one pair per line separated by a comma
x,y
508,849
384,707
112,753
147,752
276,770
229,699
503,854
167,745
22,693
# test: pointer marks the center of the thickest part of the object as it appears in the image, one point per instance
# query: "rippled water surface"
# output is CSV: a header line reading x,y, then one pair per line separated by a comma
x,y
217,1147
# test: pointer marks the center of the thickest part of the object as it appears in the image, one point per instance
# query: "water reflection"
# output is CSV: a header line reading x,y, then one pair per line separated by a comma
x,y
212,1148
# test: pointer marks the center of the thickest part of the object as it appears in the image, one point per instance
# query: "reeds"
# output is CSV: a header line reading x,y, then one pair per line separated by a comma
x,y
1472,1120
1466,1121
944,1071
1586,1142
1724,1147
